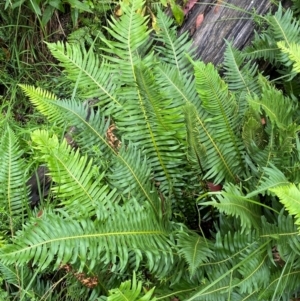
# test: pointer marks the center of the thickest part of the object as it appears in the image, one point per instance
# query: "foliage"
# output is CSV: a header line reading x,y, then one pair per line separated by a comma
x,y
132,196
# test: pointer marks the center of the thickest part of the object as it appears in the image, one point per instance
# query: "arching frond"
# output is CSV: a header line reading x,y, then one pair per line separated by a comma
x,y
231,201
92,76
241,76
54,238
89,195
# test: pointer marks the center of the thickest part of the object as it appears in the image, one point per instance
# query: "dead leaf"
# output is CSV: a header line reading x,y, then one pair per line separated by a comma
x,y
199,20
188,6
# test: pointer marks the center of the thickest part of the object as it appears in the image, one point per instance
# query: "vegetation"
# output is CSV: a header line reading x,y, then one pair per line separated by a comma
x,y
168,180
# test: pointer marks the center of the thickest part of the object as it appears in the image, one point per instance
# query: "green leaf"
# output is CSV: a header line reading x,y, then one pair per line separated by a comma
x,y
130,290
177,12
289,196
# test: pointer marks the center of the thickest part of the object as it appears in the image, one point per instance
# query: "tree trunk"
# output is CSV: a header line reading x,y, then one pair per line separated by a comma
x,y
210,23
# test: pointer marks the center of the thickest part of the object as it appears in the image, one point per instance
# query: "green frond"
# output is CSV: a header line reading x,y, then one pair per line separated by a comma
x,y
13,191
293,51
289,196
53,239
180,86
284,235
174,49
45,106
130,290
130,35
218,124
195,249
284,253
282,26
89,195
231,201
241,76
91,137
157,124
92,76
130,174
196,152
270,178
264,47
278,108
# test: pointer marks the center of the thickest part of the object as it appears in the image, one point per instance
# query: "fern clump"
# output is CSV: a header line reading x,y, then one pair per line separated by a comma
x,y
168,146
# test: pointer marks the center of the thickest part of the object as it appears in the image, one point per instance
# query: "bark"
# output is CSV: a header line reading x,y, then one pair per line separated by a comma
x,y
230,20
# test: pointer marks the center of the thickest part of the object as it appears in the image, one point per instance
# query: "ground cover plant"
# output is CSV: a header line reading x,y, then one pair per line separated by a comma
x,y
168,181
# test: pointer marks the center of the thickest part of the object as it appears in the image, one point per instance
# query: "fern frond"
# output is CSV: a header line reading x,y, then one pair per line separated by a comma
x,y
92,77
89,195
218,125
53,238
263,47
293,51
157,131
271,177
240,76
278,108
130,34
13,191
130,290
195,249
282,27
289,196
174,49
196,151
92,139
231,201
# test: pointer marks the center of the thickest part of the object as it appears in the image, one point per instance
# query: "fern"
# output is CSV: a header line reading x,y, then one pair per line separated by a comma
x,y
133,195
